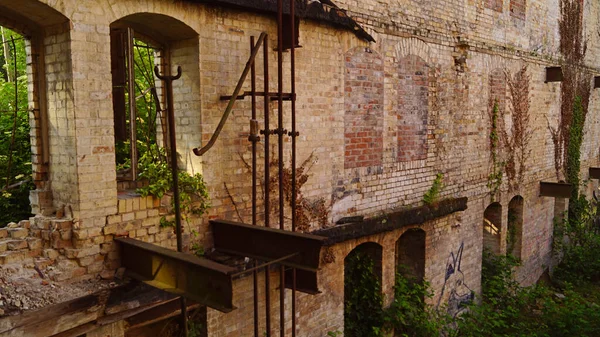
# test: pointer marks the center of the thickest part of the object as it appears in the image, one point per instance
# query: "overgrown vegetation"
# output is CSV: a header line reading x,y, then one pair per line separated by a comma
x,y
432,195
363,313
193,194
15,146
568,307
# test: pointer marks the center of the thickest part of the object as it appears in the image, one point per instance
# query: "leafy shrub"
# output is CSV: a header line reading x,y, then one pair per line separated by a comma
x,y
193,194
363,313
409,315
433,193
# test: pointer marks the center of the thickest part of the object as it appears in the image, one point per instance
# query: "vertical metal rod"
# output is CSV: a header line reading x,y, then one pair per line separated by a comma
x,y
132,108
293,302
266,149
267,302
282,301
280,151
174,173
293,134
267,130
253,139
255,279
280,107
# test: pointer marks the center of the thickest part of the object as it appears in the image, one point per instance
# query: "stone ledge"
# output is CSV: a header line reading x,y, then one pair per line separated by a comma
x,y
392,221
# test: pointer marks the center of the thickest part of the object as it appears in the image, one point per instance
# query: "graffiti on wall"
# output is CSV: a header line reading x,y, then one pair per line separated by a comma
x,y
456,295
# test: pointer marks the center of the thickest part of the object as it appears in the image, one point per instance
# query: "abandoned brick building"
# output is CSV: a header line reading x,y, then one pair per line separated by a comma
x,y
391,98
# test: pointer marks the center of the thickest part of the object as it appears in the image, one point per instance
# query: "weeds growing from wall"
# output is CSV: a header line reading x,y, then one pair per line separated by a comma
x,y
432,195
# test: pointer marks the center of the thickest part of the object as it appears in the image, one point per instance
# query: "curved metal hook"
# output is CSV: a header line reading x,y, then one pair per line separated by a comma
x,y
164,77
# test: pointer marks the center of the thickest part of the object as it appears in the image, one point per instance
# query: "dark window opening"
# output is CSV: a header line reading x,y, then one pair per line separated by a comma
x,y
137,99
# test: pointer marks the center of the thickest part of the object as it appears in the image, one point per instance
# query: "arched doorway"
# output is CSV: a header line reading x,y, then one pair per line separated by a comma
x,y
362,290
139,42
31,35
492,225
514,226
410,255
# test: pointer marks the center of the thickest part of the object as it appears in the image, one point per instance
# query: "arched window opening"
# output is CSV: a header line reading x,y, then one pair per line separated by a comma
x,y
514,233
136,98
492,224
363,300
15,145
410,255
139,42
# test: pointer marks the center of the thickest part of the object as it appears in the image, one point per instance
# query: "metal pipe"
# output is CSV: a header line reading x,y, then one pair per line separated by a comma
x,y
266,131
236,92
132,106
282,300
280,132
253,138
266,202
174,172
266,264
293,135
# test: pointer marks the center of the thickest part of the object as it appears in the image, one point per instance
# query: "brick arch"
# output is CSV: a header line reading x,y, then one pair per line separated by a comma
x,y
413,108
363,105
415,47
43,26
410,254
30,17
491,227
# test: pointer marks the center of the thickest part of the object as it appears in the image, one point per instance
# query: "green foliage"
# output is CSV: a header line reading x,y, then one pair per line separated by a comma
x,y
431,196
507,309
193,194
14,121
578,239
363,313
409,315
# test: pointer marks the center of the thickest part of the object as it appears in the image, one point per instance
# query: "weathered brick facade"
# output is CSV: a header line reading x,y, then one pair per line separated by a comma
x,y
381,118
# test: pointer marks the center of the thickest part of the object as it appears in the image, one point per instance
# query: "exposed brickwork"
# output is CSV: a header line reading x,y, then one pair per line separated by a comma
x,y
413,95
518,8
498,90
456,142
363,103
495,5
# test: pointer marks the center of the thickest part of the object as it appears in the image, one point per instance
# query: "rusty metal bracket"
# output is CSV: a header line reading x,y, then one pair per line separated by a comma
x,y
594,172
553,74
556,190
200,151
199,279
268,243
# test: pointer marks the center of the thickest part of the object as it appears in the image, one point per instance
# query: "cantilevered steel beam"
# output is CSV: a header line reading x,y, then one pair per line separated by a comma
x,y
594,172
199,279
556,190
268,243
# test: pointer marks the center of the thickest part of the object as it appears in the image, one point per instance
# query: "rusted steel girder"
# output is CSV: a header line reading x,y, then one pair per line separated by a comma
x,y
268,243
594,172
556,190
199,279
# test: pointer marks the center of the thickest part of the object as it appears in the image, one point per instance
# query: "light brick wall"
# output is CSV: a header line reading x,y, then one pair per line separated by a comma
x,y
420,39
